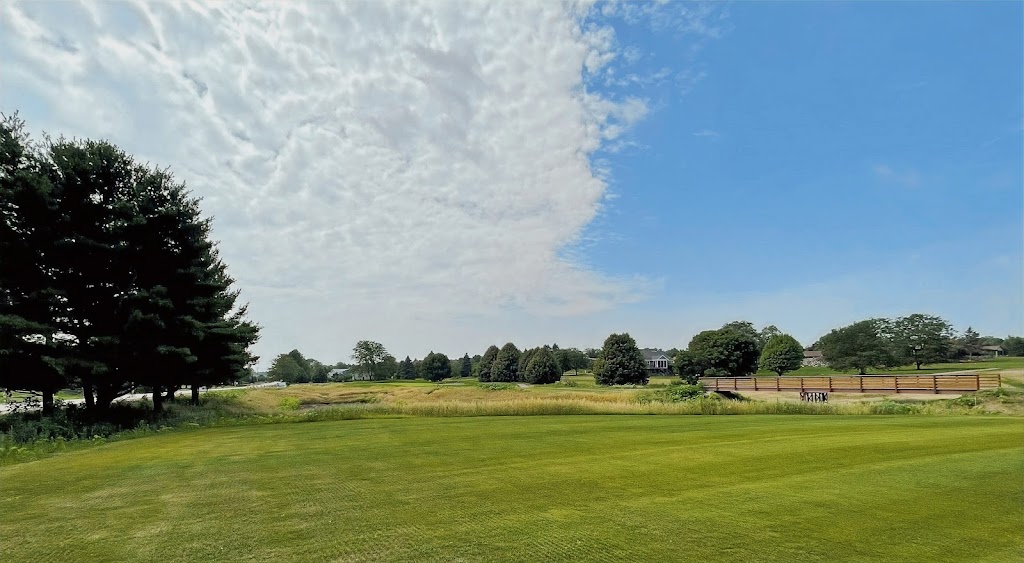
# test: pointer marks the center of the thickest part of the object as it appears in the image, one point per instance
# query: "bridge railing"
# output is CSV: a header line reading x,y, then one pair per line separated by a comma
x,y
858,383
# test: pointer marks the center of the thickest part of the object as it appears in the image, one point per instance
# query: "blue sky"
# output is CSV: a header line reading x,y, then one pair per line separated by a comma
x,y
830,142
448,175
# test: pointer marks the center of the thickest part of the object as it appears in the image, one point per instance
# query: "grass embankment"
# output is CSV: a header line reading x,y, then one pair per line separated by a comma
x,y
594,488
987,364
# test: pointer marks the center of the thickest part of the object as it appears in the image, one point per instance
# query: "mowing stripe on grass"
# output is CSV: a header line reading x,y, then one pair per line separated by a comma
x,y
564,488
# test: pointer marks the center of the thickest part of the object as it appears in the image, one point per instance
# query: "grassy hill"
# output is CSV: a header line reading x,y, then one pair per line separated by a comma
x,y
566,488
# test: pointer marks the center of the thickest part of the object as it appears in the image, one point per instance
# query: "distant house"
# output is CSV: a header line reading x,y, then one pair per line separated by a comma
x,y
814,358
337,374
657,361
993,351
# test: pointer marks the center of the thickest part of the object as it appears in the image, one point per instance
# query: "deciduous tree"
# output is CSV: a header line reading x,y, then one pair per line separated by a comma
x,y
859,346
782,353
542,368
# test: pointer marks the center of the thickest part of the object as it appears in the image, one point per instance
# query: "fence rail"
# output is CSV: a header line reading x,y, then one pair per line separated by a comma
x,y
858,383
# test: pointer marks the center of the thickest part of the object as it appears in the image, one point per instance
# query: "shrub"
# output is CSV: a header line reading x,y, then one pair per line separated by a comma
x,y
290,403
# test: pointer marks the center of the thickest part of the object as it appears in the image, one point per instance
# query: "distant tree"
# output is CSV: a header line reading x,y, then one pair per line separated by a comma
x,y
746,328
690,366
542,368
765,335
782,353
466,368
970,341
506,364
368,354
302,362
286,369
1013,345
406,369
991,341
318,371
920,339
572,359
623,362
436,366
388,367
524,360
593,353
483,369
859,346
730,351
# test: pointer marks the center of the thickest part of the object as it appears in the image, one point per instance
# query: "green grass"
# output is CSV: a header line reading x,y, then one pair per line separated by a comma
x,y
991,363
63,395
568,488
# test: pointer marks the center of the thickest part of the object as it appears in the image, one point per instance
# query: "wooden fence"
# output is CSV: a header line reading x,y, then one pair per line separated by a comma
x,y
858,383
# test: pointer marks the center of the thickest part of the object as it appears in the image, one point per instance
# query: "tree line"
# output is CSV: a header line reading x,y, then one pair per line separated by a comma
x,y
109,279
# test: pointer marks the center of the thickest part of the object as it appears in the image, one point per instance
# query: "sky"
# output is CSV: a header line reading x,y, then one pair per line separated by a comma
x,y
443,176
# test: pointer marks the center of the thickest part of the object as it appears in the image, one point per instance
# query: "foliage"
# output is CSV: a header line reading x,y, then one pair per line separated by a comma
x,y
542,368
286,369
369,354
506,364
436,366
690,366
623,363
387,368
483,369
970,342
572,359
1013,345
466,367
859,346
920,339
782,353
729,351
123,286
406,369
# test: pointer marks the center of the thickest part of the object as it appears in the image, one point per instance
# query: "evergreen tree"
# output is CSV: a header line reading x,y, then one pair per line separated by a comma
x,y
436,366
542,368
506,364
406,369
483,369
623,363
466,369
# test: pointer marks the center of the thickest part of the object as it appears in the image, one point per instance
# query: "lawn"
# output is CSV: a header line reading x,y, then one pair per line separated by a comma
x,y
567,488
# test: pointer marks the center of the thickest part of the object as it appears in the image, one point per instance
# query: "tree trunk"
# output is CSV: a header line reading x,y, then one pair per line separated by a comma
x,y
170,392
158,400
863,371
195,394
104,396
47,402
90,399
918,365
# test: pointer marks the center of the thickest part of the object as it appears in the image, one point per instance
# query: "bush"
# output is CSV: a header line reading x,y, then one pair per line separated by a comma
x,y
675,393
290,403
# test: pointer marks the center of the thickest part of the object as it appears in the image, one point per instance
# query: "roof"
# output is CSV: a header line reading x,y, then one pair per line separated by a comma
x,y
812,353
653,354
337,371
993,348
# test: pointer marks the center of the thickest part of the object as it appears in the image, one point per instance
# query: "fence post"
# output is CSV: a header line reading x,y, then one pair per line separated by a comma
x,y
896,383
935,384
830,384
755,383
977,382
860,378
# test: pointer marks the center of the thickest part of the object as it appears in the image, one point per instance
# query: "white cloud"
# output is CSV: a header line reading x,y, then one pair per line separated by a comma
x,y
709,133
372,166
908,178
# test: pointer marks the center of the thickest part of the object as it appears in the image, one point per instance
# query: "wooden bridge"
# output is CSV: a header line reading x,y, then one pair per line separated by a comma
x,y
958,383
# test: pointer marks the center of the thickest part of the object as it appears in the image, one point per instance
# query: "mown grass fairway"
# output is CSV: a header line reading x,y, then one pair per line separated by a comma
x,y
581,488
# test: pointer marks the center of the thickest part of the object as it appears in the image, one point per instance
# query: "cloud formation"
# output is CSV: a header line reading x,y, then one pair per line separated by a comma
x,y
369,164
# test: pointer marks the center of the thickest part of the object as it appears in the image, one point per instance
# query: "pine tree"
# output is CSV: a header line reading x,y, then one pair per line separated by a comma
x,y
483,370
466,369
506,364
